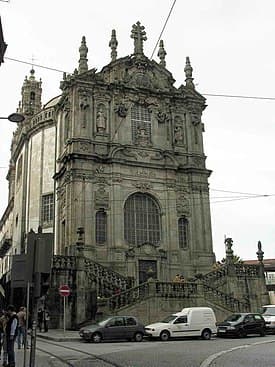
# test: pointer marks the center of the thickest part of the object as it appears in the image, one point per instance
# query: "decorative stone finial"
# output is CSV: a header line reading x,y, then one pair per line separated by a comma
x,y
32,77
229,252
162,54
113,44
260,253
139,35
188,74
83,61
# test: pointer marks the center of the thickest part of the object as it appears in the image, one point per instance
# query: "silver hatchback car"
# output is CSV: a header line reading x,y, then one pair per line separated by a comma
x,y
115,327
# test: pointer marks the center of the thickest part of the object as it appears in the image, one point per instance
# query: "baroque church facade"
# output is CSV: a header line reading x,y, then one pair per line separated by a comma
x,y
118,160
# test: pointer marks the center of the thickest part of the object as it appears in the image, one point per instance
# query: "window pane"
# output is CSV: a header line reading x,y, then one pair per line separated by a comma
x,y
183,232
47,208
140,122
141,220
101,227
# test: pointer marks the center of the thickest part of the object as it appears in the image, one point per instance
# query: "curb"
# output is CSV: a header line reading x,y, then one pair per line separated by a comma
x,y
207,362
58,339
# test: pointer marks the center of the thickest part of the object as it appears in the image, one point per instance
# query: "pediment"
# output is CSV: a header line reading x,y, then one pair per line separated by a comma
x,y
139,72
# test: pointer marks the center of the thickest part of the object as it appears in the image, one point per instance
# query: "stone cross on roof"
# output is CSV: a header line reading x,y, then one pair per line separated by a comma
x,y
139,35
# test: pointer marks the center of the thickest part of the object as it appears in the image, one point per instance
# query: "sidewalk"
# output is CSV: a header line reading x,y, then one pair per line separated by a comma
x,y
58,335
55,335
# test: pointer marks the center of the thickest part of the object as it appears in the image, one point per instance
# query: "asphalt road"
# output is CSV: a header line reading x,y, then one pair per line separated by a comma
x,y
251,351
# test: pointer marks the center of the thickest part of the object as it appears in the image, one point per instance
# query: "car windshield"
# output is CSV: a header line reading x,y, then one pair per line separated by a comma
x,y
234,317
268,311
104,322
169,319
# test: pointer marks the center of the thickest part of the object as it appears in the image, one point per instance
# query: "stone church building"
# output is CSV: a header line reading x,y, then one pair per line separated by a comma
x,y
116,163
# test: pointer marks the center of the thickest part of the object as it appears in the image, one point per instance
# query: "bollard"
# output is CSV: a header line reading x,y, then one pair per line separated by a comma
x,y
33,345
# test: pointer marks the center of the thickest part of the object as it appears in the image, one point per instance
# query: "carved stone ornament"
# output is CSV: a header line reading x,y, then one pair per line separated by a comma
x,y
143,186
130,252
101,198
198,161
143,172
195,118
143,154
121,110
182,205
84,147
162,117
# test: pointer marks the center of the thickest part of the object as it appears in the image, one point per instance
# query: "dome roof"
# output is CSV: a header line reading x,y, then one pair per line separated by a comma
x,y
52,102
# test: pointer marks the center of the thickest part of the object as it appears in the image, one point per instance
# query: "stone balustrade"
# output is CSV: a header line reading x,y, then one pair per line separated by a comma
x,y
61,262
107,281
247,271
129,297
220,298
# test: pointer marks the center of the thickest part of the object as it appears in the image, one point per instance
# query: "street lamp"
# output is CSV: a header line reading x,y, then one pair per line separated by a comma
x,y
14,117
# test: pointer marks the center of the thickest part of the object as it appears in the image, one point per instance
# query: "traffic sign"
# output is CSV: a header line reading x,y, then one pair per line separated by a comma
x,y
64,290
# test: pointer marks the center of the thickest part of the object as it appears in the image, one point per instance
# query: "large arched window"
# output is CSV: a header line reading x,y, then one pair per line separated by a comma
x,y
183,232
101,227
141,220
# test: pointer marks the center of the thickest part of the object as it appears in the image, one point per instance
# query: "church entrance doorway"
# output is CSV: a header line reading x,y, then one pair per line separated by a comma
x,y
147,269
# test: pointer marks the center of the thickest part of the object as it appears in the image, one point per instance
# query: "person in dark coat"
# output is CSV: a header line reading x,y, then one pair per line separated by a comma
x,y
40,317
11,332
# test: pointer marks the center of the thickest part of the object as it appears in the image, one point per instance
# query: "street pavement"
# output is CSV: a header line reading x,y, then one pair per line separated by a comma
x,y
246,352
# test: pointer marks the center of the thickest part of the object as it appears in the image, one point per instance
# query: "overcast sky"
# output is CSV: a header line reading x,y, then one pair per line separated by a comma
x,y
231,48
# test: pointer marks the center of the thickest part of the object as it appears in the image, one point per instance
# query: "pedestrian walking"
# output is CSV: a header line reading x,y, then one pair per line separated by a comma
x,y
46,321
11,332
40,317
3,350
22,328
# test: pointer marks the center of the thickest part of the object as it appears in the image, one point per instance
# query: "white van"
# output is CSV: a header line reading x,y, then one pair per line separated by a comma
x,y
268,313
191,321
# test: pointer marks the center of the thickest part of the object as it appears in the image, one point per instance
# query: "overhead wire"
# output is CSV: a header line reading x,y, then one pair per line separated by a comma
x,y
163,28
204,94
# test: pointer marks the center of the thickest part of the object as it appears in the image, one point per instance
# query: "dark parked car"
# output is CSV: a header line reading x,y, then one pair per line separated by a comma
x,y
242,324
116,327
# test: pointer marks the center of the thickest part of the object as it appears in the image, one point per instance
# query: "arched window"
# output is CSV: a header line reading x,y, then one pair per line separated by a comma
x,y
32,97
101,226
141,220
183,232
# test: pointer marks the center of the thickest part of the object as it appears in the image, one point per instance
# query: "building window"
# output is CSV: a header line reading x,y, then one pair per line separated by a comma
x,y
47,209
141,220
141,124
19,168
101,226
183,232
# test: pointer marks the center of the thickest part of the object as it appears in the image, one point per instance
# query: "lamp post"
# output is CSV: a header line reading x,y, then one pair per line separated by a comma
x,y
14,117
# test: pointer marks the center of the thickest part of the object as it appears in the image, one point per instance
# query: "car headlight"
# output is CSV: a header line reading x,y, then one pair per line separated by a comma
x,y
231,328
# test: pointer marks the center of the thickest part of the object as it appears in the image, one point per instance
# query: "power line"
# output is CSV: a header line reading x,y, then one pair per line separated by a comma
x,y
238,96
163,28
36,65
241,193
204,94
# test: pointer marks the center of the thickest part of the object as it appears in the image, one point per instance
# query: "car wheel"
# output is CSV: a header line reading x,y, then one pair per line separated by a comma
x,y
96,338
164,336
262,332
206,334
242,333
138,337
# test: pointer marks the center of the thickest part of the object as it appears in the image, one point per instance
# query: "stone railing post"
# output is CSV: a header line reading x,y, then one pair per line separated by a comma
x,y
80,296
200,297
151,287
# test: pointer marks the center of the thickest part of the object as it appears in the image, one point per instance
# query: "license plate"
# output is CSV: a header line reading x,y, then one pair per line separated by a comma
x,y
221,331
